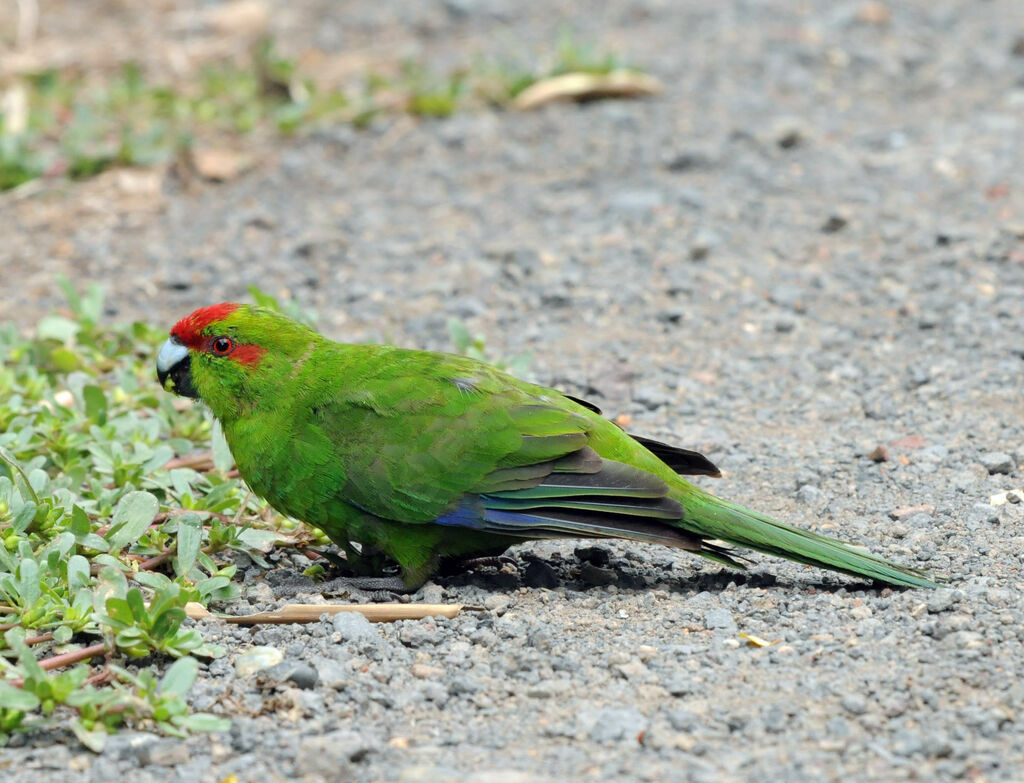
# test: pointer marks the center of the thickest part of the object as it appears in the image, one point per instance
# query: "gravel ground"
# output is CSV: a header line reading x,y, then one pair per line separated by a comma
x,y
811,245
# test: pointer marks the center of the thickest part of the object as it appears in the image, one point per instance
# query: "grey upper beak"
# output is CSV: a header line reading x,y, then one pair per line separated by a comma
x,y
173,363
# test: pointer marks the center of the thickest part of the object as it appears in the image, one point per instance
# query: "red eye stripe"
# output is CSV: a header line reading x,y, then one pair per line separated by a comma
x,y
189,329
249,355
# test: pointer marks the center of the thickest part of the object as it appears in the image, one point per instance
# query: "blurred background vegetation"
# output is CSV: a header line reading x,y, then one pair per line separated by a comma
x,y
74,117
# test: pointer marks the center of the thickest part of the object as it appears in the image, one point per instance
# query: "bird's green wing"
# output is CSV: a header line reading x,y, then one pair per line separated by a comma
x,y
433,438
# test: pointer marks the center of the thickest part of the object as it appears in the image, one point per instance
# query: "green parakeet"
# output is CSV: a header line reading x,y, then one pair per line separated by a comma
x,y
424,456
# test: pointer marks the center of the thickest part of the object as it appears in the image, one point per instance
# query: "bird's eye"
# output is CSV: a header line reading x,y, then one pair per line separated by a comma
x,y
222,346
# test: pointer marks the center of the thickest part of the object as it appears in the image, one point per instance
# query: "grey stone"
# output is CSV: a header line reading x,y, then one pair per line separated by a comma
x,y
432,593
163,753
810,495
963,640
854,703
419,634
997,462
636,202
332,673
983,514
704,241
683,720
720,620
614,724
128,744
330,753
943,599
354,627
304,676
462,684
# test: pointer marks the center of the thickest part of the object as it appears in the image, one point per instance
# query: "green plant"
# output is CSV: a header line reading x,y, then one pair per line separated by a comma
x,y
474,346
80,125
113,516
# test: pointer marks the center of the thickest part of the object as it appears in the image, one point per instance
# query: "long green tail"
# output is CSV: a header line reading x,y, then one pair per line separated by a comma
x,y
713,517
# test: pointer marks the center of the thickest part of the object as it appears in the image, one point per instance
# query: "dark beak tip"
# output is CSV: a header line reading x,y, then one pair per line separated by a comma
x,y
180,377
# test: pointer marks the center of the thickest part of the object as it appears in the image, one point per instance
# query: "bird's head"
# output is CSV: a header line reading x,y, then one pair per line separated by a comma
x,y
231,356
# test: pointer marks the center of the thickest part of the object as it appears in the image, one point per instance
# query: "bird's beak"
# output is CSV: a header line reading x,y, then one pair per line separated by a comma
x,y
174,368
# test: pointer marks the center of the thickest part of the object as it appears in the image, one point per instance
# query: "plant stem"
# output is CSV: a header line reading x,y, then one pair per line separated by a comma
x,y
66,659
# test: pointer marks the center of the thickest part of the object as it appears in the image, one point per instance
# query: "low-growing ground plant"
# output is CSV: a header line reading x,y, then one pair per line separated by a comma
x,y
76,124
114,514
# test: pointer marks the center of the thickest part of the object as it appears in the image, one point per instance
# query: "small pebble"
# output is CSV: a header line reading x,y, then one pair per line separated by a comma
x,y
256,659
354,627
997,462
854,703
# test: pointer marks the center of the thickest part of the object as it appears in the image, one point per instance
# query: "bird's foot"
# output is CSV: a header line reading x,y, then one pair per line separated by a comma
x,y
490,561
378,588
454,565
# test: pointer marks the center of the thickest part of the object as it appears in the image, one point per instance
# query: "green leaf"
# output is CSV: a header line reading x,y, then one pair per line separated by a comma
x,y
64,359
167,623
161,456
222,457
28,582
119,610
132,518
94,740
260,540
190,536
16,698
55,327
13,464
151,579
62,634
180,676
78,573
95,404
207,650
92,304
263,299
79,522
138,606
461,339
88,307
24,517
206,586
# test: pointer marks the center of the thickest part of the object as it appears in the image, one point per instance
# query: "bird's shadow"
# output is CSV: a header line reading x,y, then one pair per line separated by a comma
x,y
528,570
574,576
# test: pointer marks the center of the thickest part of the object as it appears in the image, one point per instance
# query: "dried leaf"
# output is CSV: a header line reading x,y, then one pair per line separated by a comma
x,y
757,641
310,613
874,13
14,109
242,18
905,512
587,86
909,442
220,164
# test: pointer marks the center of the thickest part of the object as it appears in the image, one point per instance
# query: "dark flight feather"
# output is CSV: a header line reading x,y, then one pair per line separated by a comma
x,y
683,461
